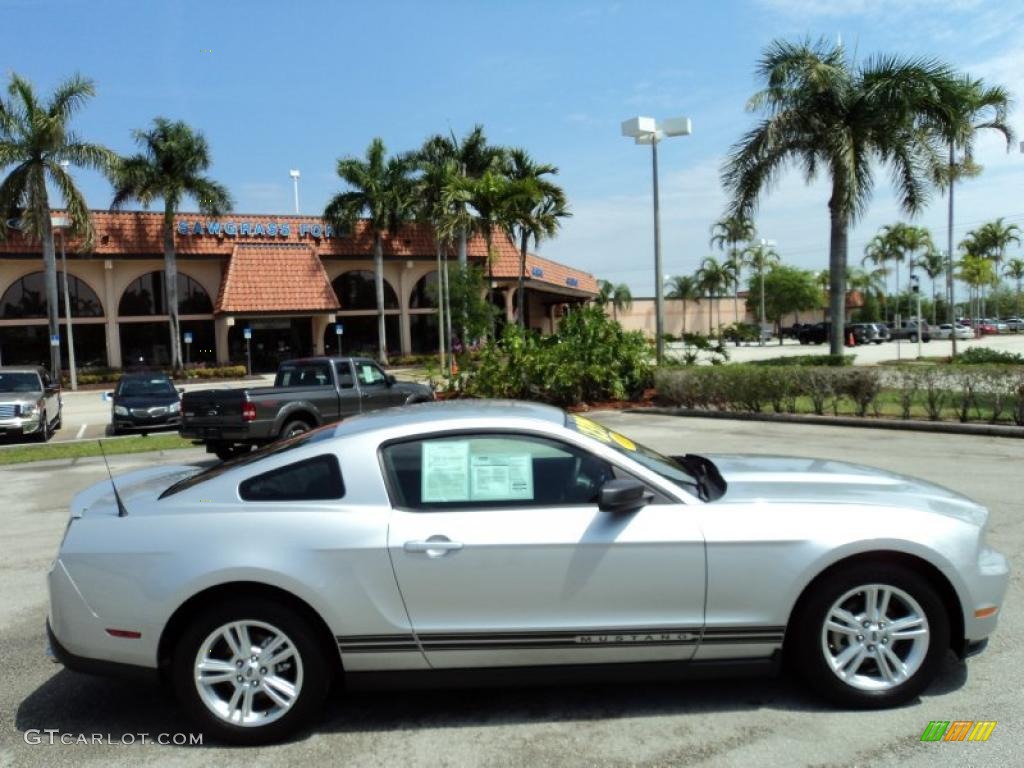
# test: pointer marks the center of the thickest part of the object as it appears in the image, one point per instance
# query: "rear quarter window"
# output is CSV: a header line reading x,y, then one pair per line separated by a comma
x,y
315,479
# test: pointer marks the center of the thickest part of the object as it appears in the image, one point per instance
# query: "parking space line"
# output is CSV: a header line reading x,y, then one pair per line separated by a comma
x,y
81,431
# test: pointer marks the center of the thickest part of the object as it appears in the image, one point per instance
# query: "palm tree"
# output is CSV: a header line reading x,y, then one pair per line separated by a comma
x,y
881,250
825,113
381,188
1014,269
35,138
538,213
618,295
435,192
760,257
977,272
727,234
933,263
967,107
170,167
990,240
903,241
685,288
714,277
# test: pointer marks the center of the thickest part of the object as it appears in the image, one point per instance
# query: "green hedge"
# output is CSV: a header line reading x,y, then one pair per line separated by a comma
x,y
978,393
113,375
835,361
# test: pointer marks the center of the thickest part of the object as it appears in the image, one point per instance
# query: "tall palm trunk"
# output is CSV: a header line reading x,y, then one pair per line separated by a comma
x,y
837,252
736,290
711,315
684,317
440,309
50,269
490,282
524,241
378,285
171,289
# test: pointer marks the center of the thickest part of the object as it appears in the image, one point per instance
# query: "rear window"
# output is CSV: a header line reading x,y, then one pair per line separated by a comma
x,y
304,375
316,479
273,449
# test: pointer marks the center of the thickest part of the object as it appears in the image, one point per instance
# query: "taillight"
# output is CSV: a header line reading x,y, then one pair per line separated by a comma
x,y
249,412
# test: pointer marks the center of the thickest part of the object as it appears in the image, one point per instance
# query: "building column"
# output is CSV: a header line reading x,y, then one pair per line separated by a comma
x,y
510,313
320,323
405,327
113,335
220,339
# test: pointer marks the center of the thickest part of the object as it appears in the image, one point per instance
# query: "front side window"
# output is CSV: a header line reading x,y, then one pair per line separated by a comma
x,y
316,479
471,471
370,375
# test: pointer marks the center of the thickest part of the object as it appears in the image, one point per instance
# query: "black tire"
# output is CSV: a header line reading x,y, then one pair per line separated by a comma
x,y
913,337
317,670
43,435
228,452
806,643
60,421
294,428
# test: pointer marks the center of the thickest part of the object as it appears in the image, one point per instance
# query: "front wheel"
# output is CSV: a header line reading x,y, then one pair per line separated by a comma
x,y
871,636
251,671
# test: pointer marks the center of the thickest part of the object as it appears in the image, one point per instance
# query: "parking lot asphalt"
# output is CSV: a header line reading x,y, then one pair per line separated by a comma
x,y
745,722
871,354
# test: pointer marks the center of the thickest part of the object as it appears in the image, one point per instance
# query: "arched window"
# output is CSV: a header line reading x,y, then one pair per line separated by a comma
x,y
424,293
145,296
355,291
26,298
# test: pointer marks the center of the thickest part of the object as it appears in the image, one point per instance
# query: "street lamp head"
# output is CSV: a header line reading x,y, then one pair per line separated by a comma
x,y
649,138
677,126
293,173
639,126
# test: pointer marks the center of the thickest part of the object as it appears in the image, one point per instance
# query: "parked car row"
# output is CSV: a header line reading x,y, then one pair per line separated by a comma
x,y
863,333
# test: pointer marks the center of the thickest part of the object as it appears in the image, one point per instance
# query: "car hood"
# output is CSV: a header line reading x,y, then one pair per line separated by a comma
x,y
20,398
139,491
799,480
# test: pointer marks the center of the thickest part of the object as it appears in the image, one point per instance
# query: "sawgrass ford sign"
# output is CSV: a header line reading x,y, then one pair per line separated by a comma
x,y
254,228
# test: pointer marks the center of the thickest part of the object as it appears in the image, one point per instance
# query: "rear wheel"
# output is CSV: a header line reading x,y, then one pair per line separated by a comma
x,y
251,671
871,636
294,428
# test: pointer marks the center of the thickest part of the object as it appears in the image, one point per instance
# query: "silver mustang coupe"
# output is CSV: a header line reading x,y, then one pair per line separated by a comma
x,y
484,541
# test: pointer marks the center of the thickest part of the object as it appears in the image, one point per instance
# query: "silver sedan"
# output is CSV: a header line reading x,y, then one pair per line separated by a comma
x,y
488,541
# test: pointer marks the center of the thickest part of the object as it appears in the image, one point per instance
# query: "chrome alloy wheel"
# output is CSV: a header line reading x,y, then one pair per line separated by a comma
x,y
875,637
248,673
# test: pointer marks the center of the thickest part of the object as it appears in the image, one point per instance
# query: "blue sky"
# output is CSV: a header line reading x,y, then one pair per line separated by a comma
x,y
298,84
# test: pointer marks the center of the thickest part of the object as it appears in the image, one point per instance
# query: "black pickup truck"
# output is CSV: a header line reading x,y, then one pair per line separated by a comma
x,y
307,393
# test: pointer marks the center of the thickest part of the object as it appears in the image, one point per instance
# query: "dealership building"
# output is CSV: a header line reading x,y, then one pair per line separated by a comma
x,y
292,281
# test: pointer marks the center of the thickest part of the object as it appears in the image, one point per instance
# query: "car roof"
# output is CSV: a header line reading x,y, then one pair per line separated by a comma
x,y
450,414
145,375
22,369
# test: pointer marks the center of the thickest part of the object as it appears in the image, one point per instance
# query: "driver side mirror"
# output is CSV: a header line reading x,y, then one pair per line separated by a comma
x,y
390,379
623,495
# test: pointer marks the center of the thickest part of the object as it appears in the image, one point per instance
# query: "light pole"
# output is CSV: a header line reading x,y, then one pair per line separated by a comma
x,y
765,244
62,223
646,130
295,182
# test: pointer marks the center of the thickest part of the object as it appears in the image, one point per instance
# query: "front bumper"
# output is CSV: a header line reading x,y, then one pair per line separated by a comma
x,y
19,426
133,423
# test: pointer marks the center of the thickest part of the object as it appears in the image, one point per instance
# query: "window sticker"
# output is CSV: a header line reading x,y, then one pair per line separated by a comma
x,y
501,477
444,471
592,429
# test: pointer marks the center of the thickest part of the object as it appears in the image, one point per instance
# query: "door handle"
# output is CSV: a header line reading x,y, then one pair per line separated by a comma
x,y
435,546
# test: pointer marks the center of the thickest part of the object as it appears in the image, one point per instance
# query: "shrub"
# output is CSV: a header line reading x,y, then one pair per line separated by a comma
x,y
839,361
862,386
589,359
987,356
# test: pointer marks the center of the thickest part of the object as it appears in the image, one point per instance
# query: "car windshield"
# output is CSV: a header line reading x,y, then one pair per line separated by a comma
x,y
20,382
145,387
273,449
665,466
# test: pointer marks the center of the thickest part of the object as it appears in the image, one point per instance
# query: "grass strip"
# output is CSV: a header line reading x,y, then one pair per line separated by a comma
x,y
80,449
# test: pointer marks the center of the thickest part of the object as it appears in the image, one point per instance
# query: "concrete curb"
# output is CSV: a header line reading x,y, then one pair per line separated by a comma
x,y
868,422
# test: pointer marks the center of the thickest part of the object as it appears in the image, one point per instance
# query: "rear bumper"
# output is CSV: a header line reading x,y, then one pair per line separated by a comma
x,y
61,655
216,434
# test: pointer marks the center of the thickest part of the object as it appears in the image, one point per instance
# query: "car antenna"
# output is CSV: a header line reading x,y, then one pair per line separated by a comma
x,y
122,511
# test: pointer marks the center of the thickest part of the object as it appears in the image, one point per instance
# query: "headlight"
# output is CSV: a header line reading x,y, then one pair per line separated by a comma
x,y
175,407
28,411
120,410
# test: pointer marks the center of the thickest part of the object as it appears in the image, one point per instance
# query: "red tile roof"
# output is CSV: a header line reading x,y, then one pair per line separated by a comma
x,y
275,278
544,270
127,233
